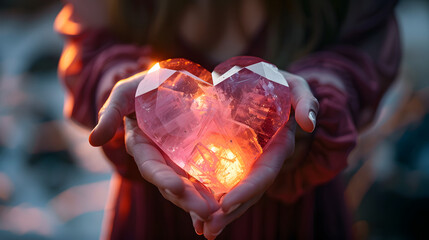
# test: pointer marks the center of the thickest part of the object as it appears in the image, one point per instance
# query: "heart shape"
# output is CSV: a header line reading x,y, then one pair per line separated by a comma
x,y
213,125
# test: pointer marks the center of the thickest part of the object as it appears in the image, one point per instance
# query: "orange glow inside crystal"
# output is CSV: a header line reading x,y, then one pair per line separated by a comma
x,y
220,163
227,166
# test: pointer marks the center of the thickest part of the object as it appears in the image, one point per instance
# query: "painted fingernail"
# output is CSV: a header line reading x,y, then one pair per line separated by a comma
x,y
312,117
198,233
231,209
195,216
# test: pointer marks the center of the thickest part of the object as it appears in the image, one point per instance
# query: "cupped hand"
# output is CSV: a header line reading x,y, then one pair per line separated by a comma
x,y
267,167
207,216
189,195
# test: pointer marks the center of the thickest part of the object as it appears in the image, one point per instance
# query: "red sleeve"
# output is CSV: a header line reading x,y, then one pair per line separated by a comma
x,y
365,59
87,56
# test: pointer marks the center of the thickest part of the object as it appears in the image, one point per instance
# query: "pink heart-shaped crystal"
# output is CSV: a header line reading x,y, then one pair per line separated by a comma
x,y
213,126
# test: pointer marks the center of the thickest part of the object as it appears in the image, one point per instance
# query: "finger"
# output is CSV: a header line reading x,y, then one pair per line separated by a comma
x,y
191,201
206,194
211,232
264,170
220,219
119,104
197,223
150,161
304,103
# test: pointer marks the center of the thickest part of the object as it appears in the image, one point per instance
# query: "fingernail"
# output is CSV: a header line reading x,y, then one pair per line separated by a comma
x,y
312,117
194,215
231,209
198,233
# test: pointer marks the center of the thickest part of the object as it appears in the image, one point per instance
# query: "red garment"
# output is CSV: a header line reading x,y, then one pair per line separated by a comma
x,y
306,201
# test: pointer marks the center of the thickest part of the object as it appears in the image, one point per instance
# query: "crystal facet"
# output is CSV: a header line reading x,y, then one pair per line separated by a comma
x,y
213,125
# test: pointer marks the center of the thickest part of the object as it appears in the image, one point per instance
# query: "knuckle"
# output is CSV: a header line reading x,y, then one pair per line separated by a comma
x,y
308,99
303,98
116,109
257,186
300,79
120,86
313,99
271,174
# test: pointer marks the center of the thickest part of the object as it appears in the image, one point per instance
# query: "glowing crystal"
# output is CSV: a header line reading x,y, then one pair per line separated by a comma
x,y
215,132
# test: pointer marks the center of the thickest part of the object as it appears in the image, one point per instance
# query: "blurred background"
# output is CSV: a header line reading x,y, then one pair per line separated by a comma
x,y
53,185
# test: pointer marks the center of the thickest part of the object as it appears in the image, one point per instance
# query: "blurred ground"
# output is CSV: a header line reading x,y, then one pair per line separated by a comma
x,y
53,185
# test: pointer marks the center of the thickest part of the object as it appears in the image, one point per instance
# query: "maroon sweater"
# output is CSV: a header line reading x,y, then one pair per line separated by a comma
x,y
306,201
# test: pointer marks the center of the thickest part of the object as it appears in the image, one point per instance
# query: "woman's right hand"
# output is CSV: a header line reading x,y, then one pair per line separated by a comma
x,y
154,166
